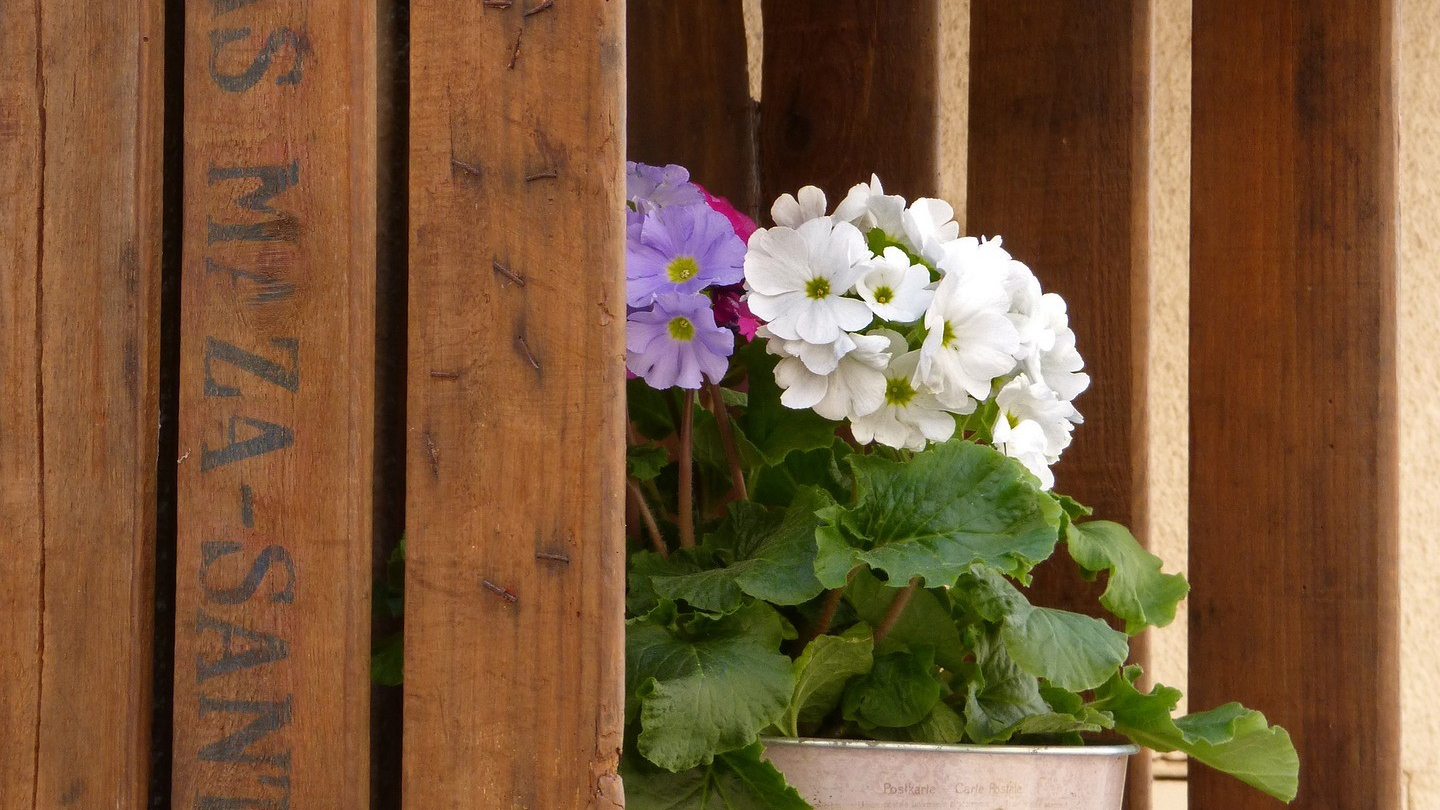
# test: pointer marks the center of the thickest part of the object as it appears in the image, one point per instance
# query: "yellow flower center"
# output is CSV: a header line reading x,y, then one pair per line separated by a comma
x,y
898,391
817,288
884,295
682,269
682,329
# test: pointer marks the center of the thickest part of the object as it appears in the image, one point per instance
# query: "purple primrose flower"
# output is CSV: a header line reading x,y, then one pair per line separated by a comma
x,y
681,249
651,187
676,341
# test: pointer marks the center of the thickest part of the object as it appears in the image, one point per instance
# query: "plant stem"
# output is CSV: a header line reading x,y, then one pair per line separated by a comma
x,y
687,472
656,540
897,607
732,455
827,615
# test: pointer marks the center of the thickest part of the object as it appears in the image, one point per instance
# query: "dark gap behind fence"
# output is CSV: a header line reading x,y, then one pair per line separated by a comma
x,y
172,225
391,322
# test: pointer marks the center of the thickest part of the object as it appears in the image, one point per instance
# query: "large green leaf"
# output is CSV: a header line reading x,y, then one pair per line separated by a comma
x,y
643,462
766,553
925,622
821,467
821,673
1231,738
737,780
705,685
1003,696
645,566
1072,651
942,725
1137,591
898,691
948,507
769,431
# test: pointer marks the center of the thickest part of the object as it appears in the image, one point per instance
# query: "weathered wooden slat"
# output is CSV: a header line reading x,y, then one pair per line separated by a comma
x,y
79,338
514,662
276,409
1058,167
688,93
21,535
849,88
1294,505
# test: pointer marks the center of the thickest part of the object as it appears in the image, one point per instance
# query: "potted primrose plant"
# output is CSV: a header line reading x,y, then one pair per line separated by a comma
x,y
841,434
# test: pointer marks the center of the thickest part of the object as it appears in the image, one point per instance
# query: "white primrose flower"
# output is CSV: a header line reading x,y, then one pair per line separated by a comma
x,y
854,388
1058,364
895,289
798,279
969,339
929,226
1025,442
910,416
789,212
819,358
868,207
1021,400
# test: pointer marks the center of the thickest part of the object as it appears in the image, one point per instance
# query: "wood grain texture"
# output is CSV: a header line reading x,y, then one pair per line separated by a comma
x,y
849,88
276,406
1294,504
688,93
21,535
79,333
1058,151
513,690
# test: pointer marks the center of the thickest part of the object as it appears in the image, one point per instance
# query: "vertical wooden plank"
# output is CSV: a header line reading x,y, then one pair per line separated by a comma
x,y
276,409
1059,132
849,88
79,333
514,660
21,538
1294,503
688,93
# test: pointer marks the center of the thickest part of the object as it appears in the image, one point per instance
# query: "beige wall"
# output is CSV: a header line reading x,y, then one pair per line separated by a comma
x,y
1419,404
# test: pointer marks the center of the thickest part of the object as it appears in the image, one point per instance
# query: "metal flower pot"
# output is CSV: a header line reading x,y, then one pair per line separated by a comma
x,y
858,775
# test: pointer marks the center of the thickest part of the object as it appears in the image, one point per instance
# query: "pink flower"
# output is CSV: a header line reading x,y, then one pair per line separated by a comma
x,y
731,310
743,225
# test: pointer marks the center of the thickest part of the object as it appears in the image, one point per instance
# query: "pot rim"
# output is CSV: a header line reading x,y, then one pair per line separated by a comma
x,y
1122,750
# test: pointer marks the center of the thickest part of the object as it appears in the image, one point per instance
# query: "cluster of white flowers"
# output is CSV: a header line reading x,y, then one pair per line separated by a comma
x,y
884,315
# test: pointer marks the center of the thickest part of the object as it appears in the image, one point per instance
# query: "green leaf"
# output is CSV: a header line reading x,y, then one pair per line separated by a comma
x,y
1137,590
1072,651
1232,739
650,409
942,725
953,505
771,430
925,622
387,660
989,596
778,485
1003,697
898,691
821,673
738,780
644,462
645,566
766,553
704,686
1072,508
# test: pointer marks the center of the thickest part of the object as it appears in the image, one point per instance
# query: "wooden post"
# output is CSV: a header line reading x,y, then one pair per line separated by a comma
x,y
80,159
276,406
849,88
514,658
1294,504
1059,133
688,94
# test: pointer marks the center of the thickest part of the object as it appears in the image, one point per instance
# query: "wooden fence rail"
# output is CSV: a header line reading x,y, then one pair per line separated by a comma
x,y
477,150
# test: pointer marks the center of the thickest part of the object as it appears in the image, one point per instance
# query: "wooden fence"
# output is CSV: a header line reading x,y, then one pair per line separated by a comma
x,y
213,428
